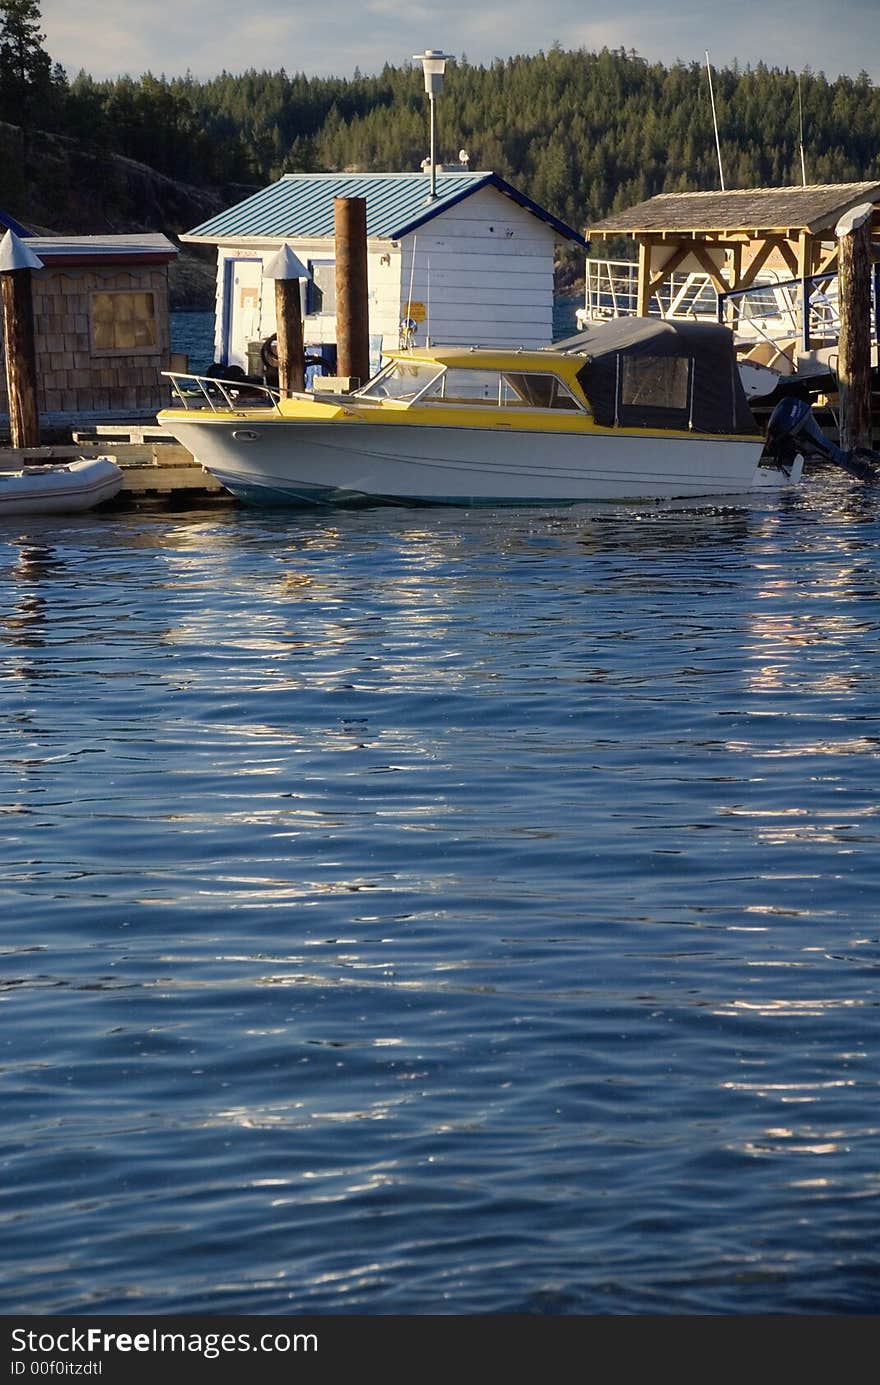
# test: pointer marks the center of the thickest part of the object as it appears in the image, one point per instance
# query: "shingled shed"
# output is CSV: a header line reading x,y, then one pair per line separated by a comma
x,y
101,327
731,236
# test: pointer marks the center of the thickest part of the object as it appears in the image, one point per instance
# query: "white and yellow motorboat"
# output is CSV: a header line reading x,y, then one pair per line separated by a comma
x,y
636,409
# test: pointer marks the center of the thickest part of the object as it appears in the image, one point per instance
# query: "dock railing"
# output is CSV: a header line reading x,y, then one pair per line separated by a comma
x,y
612,290
220,396
773,310
804,310
814,309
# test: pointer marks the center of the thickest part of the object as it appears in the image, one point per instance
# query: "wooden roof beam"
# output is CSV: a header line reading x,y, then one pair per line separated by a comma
x,y
705,263
828,263
771,243
670,266
723,240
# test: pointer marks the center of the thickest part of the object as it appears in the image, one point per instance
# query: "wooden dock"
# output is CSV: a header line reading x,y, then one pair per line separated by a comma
x,y
155,466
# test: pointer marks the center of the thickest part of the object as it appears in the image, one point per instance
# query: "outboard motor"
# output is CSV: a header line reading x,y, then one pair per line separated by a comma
x,y
792,429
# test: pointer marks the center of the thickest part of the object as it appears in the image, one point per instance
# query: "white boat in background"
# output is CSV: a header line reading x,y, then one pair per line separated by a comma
x,y
767,320
59,487
634,409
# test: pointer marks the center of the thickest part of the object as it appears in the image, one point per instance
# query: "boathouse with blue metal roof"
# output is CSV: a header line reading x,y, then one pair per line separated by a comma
x,y
471,265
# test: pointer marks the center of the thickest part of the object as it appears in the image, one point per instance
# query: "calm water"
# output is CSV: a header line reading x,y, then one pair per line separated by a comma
x,y
442,912
193,333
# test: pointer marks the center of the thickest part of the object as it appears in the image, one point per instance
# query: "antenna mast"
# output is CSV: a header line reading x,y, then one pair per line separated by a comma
x,y
801,123
715,121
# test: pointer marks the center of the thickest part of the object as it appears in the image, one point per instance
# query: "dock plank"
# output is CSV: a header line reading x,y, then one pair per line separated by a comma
x,y
169,480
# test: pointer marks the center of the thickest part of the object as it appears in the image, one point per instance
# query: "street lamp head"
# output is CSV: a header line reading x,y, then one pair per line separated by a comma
x,y
434,67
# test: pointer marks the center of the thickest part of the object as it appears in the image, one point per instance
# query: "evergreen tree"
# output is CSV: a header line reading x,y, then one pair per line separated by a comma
x,y
29,84
583,133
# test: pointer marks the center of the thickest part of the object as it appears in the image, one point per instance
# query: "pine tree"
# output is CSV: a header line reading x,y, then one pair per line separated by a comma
x,y
581,132
29,85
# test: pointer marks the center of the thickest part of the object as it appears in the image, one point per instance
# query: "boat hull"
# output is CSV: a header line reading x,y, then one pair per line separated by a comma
x,y
297,463
70,488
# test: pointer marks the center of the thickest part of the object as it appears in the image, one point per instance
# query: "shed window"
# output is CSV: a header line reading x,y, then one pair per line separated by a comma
x,y
321,288
123,323
654,382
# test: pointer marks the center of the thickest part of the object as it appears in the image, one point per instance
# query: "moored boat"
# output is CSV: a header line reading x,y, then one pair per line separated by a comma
x,y
634,409
59,488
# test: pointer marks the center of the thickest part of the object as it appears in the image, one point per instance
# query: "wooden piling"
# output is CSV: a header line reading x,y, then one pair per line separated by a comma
x,y
21,358
352,301
289,340
287,271
854,341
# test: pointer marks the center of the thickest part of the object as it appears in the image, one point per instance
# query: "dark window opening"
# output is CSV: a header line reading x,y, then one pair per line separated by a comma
x,y
654,382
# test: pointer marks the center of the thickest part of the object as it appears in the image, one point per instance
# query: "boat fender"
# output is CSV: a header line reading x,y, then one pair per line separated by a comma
x,y
269,352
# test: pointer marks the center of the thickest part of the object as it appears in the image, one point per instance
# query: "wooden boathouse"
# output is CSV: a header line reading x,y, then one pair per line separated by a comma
x,y
472,262
732,236
101,328
86,325
795,273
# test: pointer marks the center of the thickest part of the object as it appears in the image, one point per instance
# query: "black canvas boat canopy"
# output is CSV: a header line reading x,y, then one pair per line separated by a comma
x,y
646,372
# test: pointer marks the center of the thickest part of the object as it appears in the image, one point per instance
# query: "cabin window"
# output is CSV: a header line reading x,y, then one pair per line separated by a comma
x,y
463,386
536,392
321,288
511,389
654,382
696,297
123,323
402,380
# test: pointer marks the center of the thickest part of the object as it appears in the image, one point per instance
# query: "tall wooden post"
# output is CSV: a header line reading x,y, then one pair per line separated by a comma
x,y
805,269
287,270
643,306
289,329
853,233
16,264
352,300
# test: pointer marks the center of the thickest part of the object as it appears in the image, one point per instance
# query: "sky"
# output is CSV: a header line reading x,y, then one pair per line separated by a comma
x,y
334,37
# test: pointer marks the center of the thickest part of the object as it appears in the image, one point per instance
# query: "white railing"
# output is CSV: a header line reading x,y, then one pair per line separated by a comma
x,y
771,310
204,391
816,299
612,290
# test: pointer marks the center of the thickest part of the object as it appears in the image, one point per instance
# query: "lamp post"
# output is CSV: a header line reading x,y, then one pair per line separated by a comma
x,y
434,67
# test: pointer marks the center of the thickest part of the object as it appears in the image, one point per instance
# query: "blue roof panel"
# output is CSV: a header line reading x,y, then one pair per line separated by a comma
x,y
9,223
301,204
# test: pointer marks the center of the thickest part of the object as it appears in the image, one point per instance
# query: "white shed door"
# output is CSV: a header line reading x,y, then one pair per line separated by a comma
x,y
244,286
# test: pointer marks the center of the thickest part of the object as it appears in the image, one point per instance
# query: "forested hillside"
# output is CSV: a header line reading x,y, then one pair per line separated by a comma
x,y
582,133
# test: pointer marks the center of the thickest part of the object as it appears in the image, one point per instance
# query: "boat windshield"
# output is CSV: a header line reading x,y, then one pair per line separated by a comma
x,y
515,389
402,380
433,383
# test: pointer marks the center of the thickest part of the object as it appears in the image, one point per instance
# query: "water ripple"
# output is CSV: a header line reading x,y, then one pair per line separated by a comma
x,y
441,912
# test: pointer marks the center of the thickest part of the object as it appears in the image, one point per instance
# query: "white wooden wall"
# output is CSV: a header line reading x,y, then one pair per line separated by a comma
x,y
383,280
483,274
480,274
